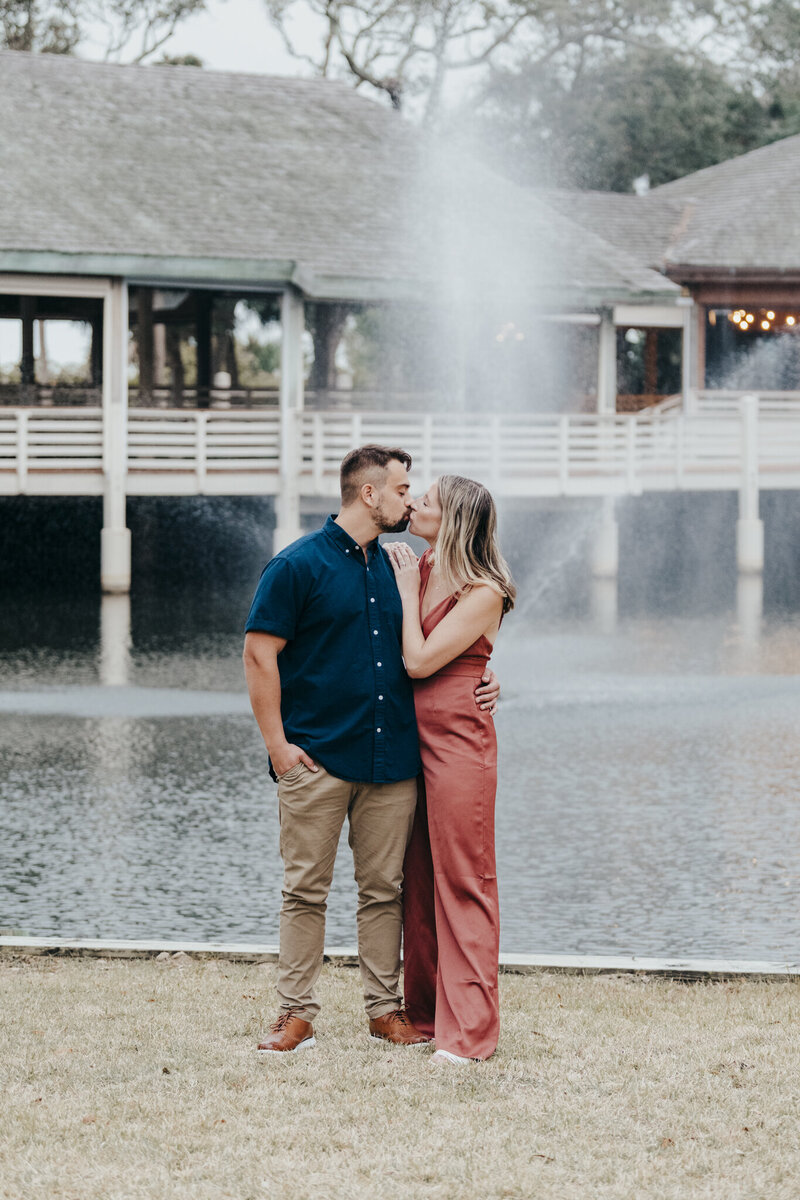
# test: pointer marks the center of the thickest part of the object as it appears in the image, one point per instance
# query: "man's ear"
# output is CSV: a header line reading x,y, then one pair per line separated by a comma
x,y
368,494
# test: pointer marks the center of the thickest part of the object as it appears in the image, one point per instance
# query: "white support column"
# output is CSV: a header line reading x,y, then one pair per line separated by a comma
x,y
605,545
607,364
689,380
749,527
287,528
115,543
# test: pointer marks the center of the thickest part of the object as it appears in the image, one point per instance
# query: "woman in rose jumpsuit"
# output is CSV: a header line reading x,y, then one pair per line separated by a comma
x,y
454,599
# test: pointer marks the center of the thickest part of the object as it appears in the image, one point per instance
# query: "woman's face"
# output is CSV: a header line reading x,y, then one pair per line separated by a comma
x,y
426,515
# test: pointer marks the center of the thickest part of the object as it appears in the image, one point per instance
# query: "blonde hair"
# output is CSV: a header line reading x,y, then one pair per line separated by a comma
x,y
466,550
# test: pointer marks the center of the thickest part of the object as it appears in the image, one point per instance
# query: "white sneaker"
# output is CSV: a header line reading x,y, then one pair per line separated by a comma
x,y
444,1056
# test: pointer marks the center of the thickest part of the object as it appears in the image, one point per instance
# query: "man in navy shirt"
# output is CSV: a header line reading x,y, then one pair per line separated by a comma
x,y
335,707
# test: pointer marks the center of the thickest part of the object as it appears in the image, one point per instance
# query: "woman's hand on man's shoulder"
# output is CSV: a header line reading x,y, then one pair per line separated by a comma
x,y
398,549
406,568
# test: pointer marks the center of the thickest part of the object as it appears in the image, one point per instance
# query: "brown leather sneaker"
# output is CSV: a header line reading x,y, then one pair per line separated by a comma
x,y
288,1034
396,1027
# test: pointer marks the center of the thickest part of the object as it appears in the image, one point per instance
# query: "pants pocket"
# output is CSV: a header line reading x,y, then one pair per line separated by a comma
x,y
293,773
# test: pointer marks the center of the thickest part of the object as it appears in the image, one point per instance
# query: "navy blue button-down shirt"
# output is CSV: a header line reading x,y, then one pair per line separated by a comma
x,y
345,696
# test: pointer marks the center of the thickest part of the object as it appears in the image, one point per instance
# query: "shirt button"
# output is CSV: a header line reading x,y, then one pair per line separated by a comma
x,y
379,664
347,551
378,729
375,632
380,697
372,599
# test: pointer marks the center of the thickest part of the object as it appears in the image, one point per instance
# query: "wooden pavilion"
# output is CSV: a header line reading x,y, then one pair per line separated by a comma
x,y
146,202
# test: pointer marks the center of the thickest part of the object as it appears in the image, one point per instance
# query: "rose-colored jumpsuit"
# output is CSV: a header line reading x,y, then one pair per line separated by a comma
x,y
451,916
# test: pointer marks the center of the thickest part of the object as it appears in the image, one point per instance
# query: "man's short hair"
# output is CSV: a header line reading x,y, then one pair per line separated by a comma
x,y
358,464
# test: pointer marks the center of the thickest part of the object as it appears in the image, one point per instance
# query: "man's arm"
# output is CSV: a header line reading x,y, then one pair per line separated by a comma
x,y
261,652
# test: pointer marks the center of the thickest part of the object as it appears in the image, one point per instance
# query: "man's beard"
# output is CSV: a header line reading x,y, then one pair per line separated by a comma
x,y
387,526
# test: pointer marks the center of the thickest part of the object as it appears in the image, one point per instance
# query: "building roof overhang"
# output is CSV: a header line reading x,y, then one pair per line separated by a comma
x,y
689,273
250,275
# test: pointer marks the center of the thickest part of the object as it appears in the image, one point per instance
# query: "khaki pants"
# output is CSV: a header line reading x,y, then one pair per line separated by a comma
x,y
312,809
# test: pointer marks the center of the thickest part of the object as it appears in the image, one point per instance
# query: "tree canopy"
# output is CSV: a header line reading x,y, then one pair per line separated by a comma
x,y
131,29
650,112
409,49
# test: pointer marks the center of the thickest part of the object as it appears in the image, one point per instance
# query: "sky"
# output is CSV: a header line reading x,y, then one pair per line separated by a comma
x,y
234,35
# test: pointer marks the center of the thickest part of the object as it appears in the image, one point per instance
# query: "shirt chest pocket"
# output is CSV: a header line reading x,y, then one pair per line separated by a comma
x,y
339,610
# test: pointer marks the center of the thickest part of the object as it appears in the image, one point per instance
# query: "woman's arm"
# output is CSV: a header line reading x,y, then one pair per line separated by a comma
x,y
476,612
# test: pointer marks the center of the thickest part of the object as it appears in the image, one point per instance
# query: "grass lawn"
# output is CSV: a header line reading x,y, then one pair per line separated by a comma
x,y
139,1079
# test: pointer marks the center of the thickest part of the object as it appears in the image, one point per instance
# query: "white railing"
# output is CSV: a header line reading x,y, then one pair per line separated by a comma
x,y
230,452
203,442
717,416
547,454
32,440
770,404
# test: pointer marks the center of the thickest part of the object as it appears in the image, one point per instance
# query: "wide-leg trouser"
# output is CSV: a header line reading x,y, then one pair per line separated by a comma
x,y
451,917
313,807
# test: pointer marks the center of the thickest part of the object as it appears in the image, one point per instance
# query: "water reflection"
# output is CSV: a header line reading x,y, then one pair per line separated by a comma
x,y
605,609
115,640
749,612
647,801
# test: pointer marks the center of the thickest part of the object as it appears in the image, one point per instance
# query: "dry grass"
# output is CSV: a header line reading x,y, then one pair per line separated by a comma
x,y
139,1080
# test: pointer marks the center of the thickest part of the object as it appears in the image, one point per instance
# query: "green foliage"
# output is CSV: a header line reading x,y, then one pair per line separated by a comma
x,y
643,111
394,348
179,60
365,338
132,29
52,28
258,354
264,357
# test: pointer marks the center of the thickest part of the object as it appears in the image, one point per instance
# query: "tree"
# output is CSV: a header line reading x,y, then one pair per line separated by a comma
x,y
133,30
398,46
636,112
410,49
50,28
179,60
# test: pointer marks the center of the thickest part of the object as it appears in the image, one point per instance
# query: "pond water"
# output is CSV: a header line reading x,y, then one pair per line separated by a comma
x,y
649,795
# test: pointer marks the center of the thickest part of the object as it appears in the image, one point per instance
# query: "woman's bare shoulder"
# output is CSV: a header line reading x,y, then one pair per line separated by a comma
x,y
485,594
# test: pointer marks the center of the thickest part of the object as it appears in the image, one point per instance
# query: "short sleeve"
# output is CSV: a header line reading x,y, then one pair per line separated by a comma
x,y
278,601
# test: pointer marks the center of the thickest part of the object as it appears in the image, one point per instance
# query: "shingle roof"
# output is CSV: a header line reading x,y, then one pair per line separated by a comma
x,y
740,215
179,172
643,225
